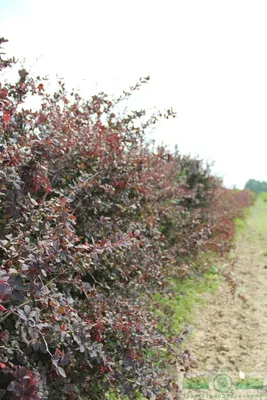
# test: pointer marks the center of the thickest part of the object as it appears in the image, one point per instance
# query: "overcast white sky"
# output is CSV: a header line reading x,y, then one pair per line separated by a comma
x,y
206,58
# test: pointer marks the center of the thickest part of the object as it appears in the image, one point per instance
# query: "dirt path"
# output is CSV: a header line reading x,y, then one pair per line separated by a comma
x,y
228,335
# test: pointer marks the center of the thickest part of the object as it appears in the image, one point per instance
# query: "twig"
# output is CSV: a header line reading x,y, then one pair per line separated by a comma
x,y
13,312
25,302
12,348
92,276
87,181
46,345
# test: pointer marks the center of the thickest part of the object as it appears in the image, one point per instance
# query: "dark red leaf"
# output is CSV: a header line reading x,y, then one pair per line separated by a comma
x,y
5,291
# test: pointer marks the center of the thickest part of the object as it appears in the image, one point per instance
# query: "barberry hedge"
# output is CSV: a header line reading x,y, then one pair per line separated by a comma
x,y
94,221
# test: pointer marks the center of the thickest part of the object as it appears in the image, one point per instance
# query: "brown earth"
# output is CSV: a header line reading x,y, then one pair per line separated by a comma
x,y
229,335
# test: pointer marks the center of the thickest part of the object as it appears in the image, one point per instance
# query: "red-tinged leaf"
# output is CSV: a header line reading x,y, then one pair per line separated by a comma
x,y
59,353
4,368
21,373
65,359
2,308
40,86
48,189
52,303
3,94
4,337
31,389
6,117
5,291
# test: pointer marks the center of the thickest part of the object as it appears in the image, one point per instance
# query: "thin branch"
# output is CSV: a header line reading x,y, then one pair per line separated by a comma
x,y
87,181
25,302
46,345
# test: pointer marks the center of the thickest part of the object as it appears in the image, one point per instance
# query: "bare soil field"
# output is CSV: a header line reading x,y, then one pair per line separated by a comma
x,y
229,336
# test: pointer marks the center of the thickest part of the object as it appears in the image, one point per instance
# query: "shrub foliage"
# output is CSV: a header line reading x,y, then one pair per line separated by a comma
x,y
93,222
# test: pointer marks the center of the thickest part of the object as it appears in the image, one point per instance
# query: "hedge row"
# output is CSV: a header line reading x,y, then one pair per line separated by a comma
x,y
93,222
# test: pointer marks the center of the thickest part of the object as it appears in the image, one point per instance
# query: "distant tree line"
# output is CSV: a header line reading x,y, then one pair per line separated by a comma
x,y
256,186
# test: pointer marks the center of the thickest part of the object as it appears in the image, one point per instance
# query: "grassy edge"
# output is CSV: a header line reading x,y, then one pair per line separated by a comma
x,y
241,222
180,307
189,294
